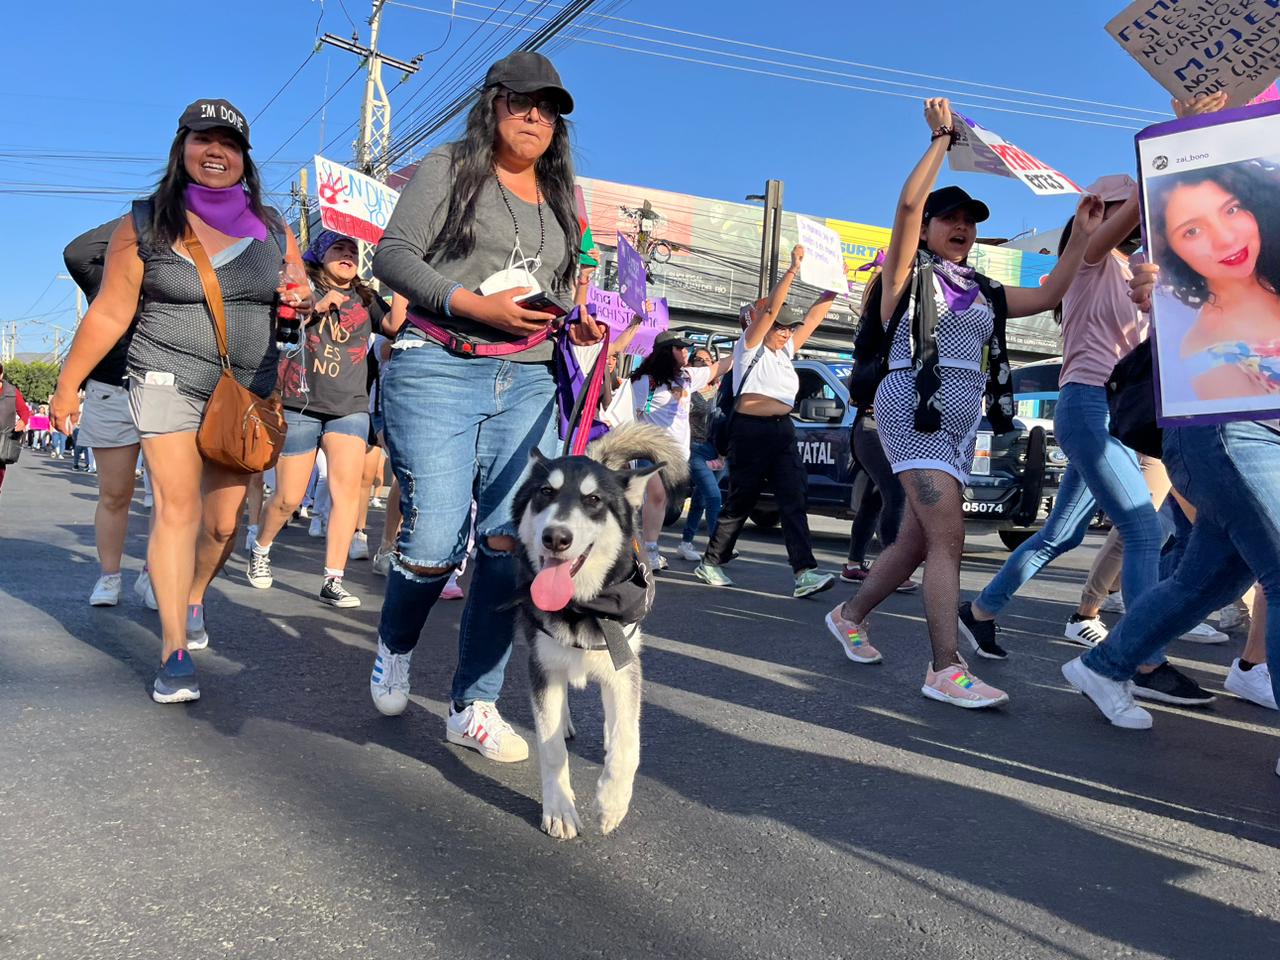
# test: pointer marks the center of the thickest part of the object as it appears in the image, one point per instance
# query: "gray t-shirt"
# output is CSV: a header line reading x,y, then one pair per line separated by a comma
x,y
402,264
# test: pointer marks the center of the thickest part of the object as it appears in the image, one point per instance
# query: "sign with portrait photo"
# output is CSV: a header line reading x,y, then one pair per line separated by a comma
x,y
1211,222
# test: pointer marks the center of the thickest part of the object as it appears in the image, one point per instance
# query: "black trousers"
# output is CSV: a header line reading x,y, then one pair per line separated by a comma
x,y
763,450
889,495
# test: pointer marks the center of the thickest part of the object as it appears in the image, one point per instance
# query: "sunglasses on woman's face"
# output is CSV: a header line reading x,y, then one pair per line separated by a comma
x,y
699,362
522,104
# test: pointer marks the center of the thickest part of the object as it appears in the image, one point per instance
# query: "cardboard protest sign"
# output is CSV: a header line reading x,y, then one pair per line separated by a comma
x,y
1196,47
611,310
979,150
351,203
823,264
1211,221
632,280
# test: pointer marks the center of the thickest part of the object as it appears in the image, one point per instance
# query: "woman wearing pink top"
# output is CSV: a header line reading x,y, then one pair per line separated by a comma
x,y
1100,325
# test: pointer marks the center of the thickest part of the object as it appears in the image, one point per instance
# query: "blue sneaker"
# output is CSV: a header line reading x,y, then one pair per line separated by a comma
x,y
197,636
176,681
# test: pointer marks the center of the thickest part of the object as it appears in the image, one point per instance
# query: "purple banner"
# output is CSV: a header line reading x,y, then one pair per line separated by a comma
x,y
631,276
617,315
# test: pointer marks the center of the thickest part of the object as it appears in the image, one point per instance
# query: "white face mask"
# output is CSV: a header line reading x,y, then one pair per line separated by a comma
x,y
519,272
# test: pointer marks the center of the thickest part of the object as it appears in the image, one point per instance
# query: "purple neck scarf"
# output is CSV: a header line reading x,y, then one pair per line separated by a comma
x,y
958,283
226,210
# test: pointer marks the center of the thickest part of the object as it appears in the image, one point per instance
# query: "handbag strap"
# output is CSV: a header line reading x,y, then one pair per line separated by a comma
x,y
588,399
212,293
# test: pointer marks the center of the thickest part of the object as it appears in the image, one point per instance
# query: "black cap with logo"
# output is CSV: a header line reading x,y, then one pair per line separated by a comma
x,y
945,199
210,114
669,338
527,72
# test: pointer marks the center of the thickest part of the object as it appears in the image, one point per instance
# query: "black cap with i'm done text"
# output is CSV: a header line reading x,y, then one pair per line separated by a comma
x,y
210,114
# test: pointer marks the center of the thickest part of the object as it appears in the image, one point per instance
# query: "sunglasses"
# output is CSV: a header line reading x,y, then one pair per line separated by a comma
x,y
522,104
699,362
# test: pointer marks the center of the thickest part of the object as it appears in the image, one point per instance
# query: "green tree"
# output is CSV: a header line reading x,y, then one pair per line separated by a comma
x,y
35,380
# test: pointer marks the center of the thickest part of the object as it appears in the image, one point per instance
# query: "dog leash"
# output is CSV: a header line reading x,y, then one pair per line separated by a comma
x,y
588,399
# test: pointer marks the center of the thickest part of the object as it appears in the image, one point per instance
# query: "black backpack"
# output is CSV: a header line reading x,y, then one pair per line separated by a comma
x,y
726,400
1131,397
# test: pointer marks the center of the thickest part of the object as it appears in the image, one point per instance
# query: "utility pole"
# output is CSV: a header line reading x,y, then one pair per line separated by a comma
x,y
770,236
304,210
79,297
375,113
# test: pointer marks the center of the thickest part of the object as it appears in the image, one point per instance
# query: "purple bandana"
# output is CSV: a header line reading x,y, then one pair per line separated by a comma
x,y
958,283
227,210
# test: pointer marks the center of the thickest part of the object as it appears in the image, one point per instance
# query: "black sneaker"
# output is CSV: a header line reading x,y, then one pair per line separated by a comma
x,y
336,595
1168,685
981,634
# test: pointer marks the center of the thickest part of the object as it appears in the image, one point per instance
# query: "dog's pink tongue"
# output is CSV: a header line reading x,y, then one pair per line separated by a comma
x,y
552,588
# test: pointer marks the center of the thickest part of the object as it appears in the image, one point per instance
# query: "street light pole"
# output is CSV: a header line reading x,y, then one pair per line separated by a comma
x,y
770,230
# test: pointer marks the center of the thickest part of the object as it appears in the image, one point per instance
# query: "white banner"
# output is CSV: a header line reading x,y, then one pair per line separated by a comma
x,y
823,264
1194,48
351,203
979,150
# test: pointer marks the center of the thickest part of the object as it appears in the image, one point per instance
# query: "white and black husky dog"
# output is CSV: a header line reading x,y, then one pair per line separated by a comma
x,y
582,590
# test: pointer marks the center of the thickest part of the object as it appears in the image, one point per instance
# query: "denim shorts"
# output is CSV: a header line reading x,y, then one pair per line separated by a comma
x,y
306,429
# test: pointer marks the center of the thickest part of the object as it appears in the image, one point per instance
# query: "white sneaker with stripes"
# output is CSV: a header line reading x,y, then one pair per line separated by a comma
x,y
1085,633
482,728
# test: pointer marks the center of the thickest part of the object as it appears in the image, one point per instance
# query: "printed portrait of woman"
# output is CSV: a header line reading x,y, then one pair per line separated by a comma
x,y
1216,237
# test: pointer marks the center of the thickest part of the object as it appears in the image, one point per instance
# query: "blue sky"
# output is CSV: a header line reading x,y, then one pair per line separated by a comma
x,y
111,79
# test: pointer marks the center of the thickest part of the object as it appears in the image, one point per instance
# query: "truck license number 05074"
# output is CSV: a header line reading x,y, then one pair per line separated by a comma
x,y
971,506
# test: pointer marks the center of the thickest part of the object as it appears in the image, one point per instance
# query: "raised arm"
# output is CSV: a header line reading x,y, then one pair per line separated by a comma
x,y
1115,231
817,313
909,217
627,335
1028,301
106,321
762,320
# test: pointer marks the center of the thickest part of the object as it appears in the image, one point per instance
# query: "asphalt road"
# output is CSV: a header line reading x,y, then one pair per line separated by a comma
x,y
789,803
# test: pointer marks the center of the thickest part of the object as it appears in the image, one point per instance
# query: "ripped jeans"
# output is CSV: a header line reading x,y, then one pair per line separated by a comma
x,y
459,429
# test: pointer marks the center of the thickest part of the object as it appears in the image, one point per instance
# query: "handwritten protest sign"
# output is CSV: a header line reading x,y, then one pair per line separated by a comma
x,y
823,264
617,315
351,203
1211,203
1198,47
979,150
631,276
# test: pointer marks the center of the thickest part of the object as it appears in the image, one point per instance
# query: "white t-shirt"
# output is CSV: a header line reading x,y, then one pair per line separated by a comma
x,y
773,376
669,409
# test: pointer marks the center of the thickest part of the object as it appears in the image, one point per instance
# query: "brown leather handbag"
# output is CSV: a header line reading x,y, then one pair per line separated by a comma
x,y
240,430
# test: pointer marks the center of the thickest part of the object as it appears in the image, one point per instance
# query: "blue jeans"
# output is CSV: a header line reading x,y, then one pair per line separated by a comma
x,y
459,429
706,490
59,442
1231,473
1100,470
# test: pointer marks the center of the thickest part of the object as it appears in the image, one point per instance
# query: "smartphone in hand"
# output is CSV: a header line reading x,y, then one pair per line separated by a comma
x,y
542,303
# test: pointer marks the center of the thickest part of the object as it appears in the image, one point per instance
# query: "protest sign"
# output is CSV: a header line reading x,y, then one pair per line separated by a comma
x,y
1196,47
823,264
631,275
1211,214
979,150
351,203
611,310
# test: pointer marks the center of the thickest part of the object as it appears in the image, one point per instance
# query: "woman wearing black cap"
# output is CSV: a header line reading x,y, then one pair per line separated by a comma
x,y
762,438
485,222
210,197
928,406
662,390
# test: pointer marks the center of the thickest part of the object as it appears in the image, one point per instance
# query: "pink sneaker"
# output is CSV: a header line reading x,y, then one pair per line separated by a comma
x,y
960,688
451,590
853,637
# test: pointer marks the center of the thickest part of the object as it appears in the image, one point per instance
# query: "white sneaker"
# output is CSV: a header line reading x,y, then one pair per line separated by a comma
x,y
1203,633
148,501
106,592
317,527
382,561
1253,684
1085,633
143,590
1114,603
359,549
482,728
1230,617
1113,698
657,561
686,551
389,682
250,535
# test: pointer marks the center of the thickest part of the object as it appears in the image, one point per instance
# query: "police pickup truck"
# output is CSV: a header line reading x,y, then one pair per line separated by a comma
x,y
1012,482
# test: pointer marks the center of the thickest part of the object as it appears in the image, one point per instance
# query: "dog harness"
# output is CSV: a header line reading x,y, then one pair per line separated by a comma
x,y
616,610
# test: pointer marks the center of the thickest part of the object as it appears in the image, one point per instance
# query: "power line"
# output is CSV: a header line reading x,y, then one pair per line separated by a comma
x,y
302,126
285,86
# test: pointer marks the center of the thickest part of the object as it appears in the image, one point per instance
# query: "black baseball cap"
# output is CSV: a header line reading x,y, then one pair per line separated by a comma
x,y
527,72
210,114
945,199
669,338
789,316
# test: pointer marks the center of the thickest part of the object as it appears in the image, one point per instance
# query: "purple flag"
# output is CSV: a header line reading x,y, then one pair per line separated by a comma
x,y
631,276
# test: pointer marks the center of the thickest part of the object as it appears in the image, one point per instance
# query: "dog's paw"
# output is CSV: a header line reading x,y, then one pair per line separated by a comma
x,y
612,803
560,818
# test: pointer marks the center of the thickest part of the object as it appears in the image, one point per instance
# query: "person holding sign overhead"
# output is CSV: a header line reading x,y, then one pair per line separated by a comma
x,y
946,351
762,438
